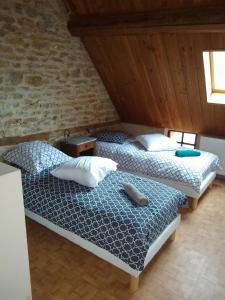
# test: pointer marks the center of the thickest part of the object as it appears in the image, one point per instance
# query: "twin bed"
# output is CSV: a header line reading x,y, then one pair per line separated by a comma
x,y
191,175
102,219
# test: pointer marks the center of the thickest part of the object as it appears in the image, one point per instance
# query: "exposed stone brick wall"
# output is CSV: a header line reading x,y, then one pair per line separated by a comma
x,y
47,80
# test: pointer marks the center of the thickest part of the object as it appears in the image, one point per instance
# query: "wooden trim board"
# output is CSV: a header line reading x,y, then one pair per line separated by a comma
x,y
7,141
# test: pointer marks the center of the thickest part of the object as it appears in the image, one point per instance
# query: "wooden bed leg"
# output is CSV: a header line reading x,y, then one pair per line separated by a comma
x,y
173,236
193,202
134,283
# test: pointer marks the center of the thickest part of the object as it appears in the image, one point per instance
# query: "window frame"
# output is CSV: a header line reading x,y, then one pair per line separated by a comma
x,y
212,73
182,143
213,96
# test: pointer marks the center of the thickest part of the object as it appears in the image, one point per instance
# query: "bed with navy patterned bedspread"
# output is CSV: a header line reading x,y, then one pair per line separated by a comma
x,y
131,156
104,215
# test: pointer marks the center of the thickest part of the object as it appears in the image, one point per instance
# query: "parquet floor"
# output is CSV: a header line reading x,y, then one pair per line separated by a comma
x,y
192,267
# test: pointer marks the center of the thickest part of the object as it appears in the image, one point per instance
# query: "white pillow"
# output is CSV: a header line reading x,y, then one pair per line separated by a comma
x,y
157,142
85,170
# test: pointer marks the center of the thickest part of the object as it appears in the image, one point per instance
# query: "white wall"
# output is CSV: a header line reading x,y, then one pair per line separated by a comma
x,y
136,129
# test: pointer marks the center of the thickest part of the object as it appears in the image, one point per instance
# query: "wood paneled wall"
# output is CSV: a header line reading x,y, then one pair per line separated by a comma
x,y
103,7
158,79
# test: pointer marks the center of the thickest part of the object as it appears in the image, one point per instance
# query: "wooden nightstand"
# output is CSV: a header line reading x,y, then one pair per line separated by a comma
x,y
79,145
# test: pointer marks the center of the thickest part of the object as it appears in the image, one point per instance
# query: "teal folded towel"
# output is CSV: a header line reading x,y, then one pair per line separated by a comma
x,y
135,195
187,152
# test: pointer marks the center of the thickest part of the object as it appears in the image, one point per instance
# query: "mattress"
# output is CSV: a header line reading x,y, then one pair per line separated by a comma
x,y
104,215
190,171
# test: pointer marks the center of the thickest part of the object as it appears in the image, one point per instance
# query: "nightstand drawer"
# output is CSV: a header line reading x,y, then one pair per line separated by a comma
x,y
84,147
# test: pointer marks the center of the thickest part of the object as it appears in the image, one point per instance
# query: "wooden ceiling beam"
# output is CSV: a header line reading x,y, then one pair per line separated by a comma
x,y
112,31
204,19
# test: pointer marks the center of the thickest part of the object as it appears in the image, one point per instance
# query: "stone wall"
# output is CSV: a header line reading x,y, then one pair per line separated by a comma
x,y
47,80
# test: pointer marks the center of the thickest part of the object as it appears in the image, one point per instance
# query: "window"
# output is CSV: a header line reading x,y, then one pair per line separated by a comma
x,y
185,139
217,69
214,67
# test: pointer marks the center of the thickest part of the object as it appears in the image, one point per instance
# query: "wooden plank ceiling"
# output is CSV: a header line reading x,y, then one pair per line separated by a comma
x,y
156,77
109,7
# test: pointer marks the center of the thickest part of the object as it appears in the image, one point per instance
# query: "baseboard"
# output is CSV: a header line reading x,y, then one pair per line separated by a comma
x,y
218,176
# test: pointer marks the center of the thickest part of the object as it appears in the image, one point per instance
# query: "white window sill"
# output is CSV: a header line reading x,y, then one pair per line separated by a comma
x,y
216,98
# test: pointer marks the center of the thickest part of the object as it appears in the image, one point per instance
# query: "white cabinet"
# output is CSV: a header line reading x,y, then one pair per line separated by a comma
x,y
14,264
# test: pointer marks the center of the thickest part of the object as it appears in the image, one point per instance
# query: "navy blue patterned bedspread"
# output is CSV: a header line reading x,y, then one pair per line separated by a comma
x,y
104,215
189,171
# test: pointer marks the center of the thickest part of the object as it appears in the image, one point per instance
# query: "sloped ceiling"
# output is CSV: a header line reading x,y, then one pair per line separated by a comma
x,y
156,78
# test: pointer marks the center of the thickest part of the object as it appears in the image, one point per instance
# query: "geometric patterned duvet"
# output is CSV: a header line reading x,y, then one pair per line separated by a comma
x,y
104,215
190,171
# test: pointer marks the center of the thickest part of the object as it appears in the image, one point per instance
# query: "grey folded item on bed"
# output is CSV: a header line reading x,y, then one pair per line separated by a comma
x,y
135,195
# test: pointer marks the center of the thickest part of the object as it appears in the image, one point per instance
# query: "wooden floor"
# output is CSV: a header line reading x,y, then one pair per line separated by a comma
x,y
192,267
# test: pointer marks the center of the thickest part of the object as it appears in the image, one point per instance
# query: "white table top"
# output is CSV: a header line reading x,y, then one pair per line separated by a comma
x,y
78,140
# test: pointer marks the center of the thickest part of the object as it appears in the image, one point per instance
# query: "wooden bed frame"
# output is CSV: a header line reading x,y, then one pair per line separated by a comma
x,y
169,233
